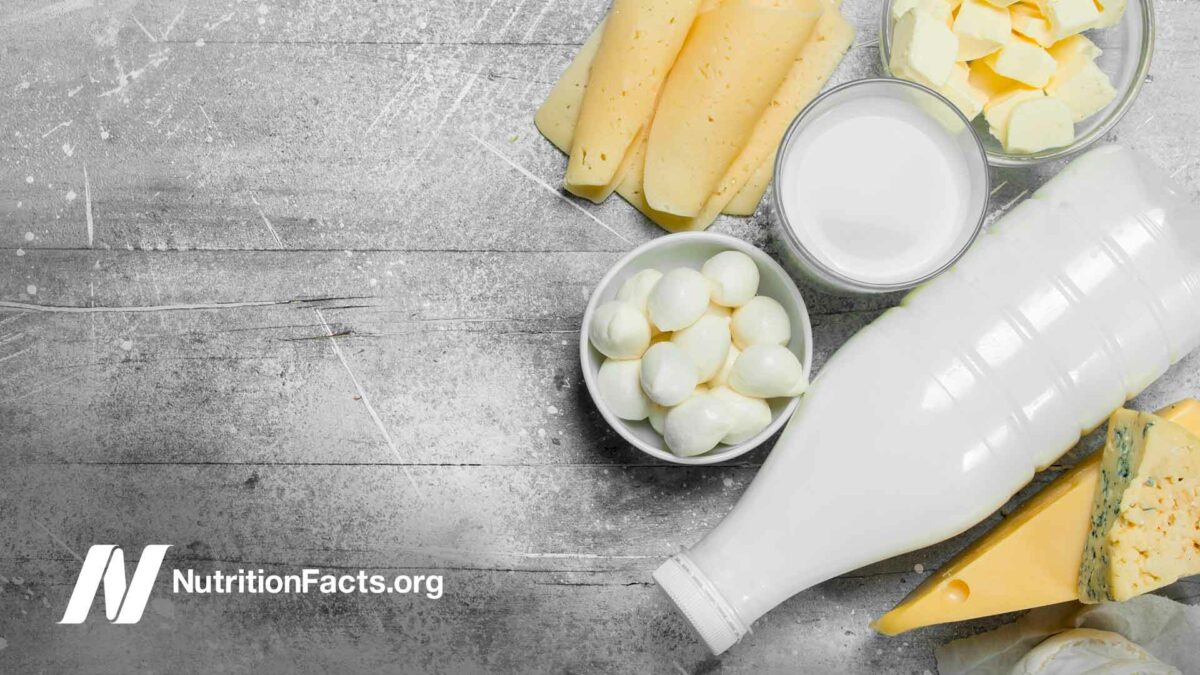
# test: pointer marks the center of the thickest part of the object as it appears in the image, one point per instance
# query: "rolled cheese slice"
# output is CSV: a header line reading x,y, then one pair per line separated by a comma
x,y
641,40
735,58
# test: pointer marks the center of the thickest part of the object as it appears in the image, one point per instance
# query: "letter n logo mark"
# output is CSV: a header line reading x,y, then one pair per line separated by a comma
x,y
123,602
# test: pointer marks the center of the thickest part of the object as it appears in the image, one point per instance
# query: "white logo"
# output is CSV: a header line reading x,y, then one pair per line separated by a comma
x,y
123,602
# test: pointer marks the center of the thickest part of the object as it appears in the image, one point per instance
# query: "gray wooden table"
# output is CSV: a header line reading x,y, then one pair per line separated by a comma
x,y
292,284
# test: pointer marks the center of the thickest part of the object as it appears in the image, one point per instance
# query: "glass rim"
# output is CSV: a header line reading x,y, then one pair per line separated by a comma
x,y
818,267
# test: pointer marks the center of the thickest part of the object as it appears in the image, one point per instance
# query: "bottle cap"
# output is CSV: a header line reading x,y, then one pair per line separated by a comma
x,y
697,599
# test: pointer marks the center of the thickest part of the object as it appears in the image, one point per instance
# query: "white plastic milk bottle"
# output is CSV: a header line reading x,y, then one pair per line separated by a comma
x,y
938,412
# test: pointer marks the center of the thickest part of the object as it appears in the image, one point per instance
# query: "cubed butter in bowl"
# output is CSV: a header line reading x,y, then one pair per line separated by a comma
x,y
1089,57
692,395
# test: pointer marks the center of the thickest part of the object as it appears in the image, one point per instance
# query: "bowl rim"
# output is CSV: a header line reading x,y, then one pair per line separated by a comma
x,y
814,264
1128,96
722,453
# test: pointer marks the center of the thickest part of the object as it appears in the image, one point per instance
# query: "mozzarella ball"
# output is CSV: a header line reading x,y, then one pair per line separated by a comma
x,y
767,371
734,278
761,320
678,299
657,416
697,425
668,375
706,343
620,388
619,331
722,377
749,415
636,289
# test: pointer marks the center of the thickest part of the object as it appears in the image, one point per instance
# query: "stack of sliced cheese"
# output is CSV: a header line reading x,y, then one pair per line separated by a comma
x,y
679,105
1023,64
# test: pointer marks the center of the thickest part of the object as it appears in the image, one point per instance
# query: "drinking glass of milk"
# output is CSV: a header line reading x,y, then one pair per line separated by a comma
x,y
880,185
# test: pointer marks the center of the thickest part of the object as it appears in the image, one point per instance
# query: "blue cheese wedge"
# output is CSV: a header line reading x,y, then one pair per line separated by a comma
x,y
1145,531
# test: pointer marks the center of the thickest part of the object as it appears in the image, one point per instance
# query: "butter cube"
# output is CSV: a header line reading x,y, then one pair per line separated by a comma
x,y
982,28
1039,124
1082,86
986,80
1024,61
923,49
965,96
1111,12
1076,45
998,109
1068,17
938,9
1028,21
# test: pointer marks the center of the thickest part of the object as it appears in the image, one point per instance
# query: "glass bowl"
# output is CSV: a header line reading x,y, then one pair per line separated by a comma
x,y
1128,47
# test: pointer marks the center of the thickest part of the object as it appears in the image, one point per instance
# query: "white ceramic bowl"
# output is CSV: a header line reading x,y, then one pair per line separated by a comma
x,y
691,249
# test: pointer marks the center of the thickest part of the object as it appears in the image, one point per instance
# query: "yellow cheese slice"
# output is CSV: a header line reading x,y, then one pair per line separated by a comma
x,y
640,41
556,117
754,167
1030,559
746,201
734,60
752,171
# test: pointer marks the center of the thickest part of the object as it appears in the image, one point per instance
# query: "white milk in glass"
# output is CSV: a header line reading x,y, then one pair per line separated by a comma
x,y
880,185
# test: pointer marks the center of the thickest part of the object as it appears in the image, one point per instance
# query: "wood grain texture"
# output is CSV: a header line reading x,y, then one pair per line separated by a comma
x,y
195,195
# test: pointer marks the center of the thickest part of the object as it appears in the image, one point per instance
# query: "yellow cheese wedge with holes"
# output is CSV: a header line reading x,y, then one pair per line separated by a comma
x,y
735,58
1031,559
639,43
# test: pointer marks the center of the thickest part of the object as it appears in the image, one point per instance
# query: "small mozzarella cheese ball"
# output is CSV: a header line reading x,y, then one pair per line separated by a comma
x,y
767,371
750,415
706,343
721,379
619,331
697,425
619,383
678,299
734,278
668,375
636,289
657,416
761,320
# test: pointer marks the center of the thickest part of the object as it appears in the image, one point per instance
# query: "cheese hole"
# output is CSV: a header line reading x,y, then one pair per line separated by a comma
x,y
958,591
